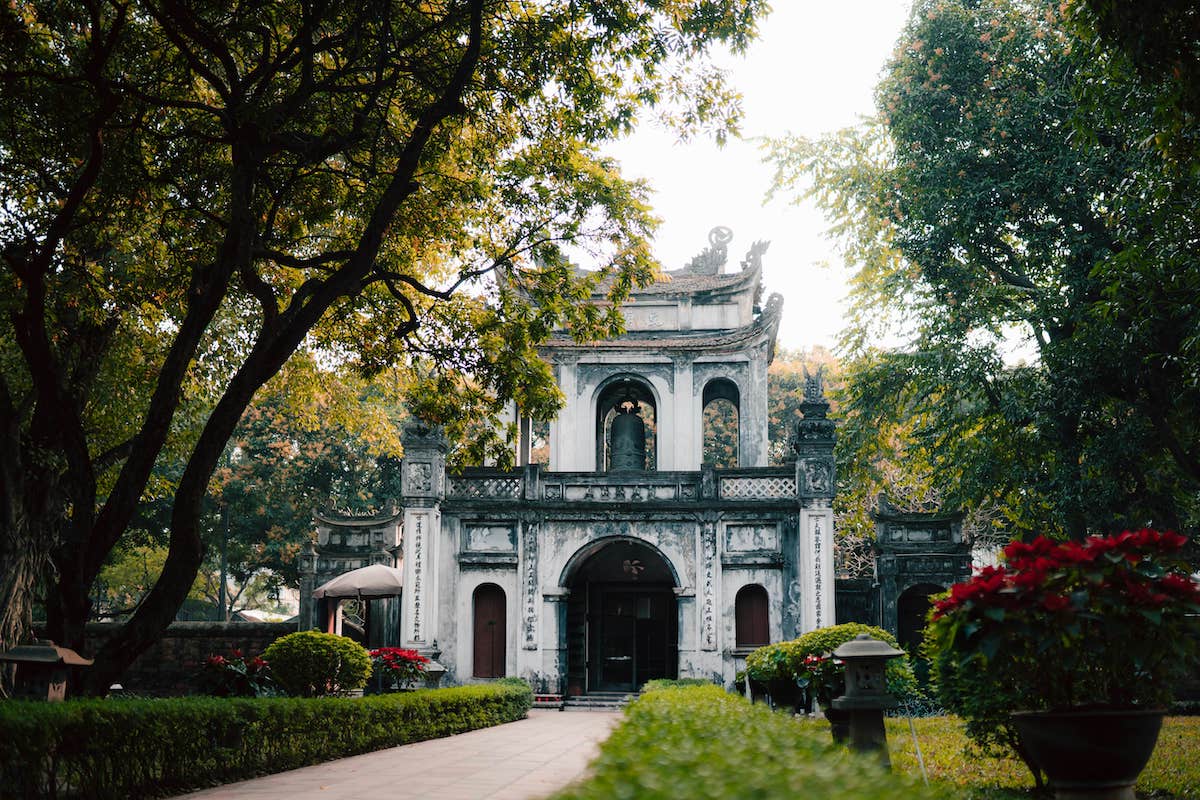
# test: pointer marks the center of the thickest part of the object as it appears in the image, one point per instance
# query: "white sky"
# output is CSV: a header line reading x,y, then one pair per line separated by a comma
x,y
812,70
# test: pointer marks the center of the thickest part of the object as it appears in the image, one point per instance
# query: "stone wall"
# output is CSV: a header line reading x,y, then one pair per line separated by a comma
x,y
171,665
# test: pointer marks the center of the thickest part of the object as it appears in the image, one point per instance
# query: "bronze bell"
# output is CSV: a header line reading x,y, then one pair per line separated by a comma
x,y
628,438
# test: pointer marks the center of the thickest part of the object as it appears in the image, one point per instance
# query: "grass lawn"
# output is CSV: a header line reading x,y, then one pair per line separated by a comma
x,y
1173,772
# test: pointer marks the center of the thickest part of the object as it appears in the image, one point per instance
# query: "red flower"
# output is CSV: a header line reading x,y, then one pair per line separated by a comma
x,y
216,661
1055,602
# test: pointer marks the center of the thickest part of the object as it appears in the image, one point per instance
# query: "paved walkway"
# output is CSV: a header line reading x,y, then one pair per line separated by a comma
x,y
518,761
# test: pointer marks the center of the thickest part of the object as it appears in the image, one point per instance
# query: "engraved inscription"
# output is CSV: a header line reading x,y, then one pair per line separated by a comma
x,y
708,610
531,553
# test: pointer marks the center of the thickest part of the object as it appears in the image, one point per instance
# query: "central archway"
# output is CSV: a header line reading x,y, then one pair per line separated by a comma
x,y
622,618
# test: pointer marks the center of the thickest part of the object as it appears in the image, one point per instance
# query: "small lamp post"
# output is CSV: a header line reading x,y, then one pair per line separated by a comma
x,y
433,674
42,669
866,695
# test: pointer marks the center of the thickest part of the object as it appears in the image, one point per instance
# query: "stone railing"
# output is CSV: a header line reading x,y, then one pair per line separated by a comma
x,y
479,485
778,484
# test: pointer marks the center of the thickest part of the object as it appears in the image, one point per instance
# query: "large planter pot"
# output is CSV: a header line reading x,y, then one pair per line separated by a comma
x,y
1090,753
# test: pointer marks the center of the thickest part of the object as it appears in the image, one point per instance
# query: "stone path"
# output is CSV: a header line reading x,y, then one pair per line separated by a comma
x,y
518,761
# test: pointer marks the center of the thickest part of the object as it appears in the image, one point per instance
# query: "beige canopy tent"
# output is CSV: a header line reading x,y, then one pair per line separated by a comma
x,y
365,583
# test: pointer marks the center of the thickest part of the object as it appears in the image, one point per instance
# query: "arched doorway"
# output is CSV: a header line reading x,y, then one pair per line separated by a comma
x,y
622,618
489,631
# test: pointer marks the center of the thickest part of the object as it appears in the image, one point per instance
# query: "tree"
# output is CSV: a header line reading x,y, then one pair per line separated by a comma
x,y
193,192
987,212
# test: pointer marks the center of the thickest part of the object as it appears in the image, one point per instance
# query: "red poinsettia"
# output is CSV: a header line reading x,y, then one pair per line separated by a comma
x,y
1102,621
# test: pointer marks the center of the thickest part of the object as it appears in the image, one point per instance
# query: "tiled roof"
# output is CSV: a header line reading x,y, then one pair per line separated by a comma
x,y
766,323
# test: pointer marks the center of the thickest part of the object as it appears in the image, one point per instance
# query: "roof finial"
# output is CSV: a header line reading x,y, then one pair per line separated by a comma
x,y
712,258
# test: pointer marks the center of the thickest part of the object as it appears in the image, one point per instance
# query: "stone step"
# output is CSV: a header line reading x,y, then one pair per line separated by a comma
x,y
598,701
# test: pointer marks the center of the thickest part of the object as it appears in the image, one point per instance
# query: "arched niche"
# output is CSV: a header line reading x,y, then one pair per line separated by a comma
x,y
618,391
721,414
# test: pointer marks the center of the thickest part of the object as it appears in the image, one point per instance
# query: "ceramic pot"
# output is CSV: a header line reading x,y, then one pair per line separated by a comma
x,y
1095,754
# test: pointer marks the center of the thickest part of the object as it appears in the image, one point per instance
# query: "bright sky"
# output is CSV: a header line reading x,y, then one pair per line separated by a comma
x,y
812,70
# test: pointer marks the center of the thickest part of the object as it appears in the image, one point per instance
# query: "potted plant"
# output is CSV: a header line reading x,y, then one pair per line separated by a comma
x,y
237,676
1067,653
396,669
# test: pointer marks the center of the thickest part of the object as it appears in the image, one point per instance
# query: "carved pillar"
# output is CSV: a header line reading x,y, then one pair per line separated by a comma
x,y
554,638
815,487
308,575
422,483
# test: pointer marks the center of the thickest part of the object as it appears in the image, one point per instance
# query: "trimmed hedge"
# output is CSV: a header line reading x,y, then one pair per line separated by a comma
x,y
701,743
658,684
148,748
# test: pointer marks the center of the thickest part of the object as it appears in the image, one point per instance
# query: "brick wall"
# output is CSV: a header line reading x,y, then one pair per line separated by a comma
x,y
170,666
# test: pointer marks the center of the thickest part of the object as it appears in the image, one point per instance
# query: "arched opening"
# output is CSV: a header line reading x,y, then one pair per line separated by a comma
x,y
490,636
752,619
721,423
912,607
622,618
626,405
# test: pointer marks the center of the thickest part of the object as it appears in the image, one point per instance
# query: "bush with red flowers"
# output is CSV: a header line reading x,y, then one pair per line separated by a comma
x,y
237,676
397,668
1111,621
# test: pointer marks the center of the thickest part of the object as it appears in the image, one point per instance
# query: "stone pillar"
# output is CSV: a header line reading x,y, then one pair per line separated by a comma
x,y
688,442
423,486
554,638
815,486
308,575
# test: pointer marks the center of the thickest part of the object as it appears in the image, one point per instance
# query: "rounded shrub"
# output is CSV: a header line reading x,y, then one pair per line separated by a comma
x,y
315,664
901,681
804,661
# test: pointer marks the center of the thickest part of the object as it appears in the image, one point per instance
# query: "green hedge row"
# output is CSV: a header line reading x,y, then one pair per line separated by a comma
x,y
146,748
699,743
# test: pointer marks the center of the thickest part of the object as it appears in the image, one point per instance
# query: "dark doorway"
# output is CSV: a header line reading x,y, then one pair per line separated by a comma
x,y
911,609
622,620
489,631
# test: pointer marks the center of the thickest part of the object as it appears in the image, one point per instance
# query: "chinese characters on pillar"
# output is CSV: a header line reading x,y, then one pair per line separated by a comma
x,y
418,562
817,569
708,612
531,585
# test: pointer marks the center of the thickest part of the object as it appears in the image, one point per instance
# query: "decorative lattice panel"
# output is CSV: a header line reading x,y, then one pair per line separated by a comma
x,y
765,488
485,488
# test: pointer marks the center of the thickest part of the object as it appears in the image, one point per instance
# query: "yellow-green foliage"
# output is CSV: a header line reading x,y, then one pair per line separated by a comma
x,y
951,759
149,748
315,664
784,660
699,743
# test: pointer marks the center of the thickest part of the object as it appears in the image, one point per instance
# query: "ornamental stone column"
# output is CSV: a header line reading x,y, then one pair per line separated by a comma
x,y
813,444
422,487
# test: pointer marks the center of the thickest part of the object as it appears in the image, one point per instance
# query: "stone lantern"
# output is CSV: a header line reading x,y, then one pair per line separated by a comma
x,y
866,695
42,669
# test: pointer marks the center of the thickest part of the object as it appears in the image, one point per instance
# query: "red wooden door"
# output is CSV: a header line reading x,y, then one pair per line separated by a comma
x,y
752,621
489,631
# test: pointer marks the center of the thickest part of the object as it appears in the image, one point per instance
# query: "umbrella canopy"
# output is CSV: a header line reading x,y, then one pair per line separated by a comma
x,y
376,580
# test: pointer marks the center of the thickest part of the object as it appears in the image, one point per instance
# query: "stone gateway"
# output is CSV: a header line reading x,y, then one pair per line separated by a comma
x,y
624,558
